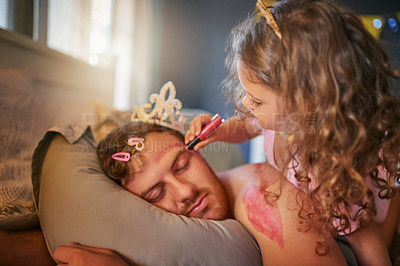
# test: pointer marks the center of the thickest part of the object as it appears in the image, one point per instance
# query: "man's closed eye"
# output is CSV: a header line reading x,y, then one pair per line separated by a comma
x,y
156,194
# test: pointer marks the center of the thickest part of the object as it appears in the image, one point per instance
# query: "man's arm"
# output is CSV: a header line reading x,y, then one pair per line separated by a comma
x,y
79,255
24,248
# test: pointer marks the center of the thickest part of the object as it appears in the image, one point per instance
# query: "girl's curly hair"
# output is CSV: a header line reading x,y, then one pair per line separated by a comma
x,y
334,84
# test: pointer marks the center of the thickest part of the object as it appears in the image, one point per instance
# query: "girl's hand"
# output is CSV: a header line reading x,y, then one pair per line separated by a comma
x,y
196,126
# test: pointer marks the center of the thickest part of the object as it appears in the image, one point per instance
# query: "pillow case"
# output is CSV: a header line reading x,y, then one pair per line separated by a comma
x,y
76,201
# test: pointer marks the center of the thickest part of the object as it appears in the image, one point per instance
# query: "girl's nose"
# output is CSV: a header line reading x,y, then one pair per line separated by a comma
x,y
246,102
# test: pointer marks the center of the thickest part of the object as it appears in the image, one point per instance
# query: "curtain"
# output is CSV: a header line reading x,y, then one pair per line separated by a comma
x,y
133,45
116,34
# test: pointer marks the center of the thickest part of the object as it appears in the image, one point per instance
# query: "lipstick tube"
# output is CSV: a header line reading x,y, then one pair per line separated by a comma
x,y
207,130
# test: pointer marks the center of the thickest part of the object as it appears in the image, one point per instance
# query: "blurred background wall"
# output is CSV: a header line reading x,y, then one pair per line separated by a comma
x,y
149,42
193,37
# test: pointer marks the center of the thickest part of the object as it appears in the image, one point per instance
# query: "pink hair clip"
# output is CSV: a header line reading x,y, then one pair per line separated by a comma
x,y
121,156
137,144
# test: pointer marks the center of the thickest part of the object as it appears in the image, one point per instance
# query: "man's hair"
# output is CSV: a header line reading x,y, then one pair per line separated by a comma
x,y
116,141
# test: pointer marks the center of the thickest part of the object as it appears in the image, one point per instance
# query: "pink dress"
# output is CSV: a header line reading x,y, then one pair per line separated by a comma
x,y
382,205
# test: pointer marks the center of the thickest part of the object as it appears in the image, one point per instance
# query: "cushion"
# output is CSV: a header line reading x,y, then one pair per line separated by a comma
x,y
24,119
76,201
19,135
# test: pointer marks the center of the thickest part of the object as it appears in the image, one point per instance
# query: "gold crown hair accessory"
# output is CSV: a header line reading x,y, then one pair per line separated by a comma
x,y
161,110
266,13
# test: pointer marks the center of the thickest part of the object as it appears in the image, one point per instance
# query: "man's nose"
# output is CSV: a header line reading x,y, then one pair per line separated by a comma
x,y
184,190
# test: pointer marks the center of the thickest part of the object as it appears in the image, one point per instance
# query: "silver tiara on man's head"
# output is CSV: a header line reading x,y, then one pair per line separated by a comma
x,y
161,110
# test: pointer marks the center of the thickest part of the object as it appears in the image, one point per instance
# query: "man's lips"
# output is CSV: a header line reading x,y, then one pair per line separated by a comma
x,y
199,205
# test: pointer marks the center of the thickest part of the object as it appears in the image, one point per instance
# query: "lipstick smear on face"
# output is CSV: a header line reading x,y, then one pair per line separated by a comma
x,y
265,217
166,149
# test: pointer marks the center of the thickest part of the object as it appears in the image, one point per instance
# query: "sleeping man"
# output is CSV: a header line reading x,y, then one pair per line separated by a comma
x,y
152,162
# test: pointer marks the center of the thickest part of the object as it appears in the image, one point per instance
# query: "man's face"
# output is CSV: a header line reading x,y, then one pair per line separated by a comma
x,y
178,180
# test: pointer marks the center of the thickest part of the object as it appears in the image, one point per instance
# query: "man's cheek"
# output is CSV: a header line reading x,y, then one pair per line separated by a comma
x,y
265,217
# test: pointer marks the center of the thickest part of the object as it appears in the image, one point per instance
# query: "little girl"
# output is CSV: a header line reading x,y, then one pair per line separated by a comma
x,y
317,85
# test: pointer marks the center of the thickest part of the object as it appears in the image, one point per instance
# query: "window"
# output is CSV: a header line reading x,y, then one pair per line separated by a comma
x,y
89,31
81,29
3,14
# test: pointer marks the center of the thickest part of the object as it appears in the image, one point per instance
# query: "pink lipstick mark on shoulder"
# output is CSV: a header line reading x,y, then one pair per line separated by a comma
x,y
266,174
259,170
265,217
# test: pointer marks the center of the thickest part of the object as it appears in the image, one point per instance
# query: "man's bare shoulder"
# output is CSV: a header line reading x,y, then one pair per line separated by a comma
x,y
236,175
268,205
249,173
236,179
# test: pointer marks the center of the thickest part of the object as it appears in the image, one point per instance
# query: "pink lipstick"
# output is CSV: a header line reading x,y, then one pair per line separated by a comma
x,y
207,130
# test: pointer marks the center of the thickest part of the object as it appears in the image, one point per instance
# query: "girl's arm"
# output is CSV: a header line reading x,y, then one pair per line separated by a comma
x,y
233,130
369,248
387,229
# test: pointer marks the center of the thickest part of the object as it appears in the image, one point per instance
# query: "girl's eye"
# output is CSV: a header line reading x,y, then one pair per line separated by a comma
x,y
156,194
254,103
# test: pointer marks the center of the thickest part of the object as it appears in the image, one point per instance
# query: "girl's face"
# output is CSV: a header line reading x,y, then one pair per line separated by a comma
x,y
260,100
